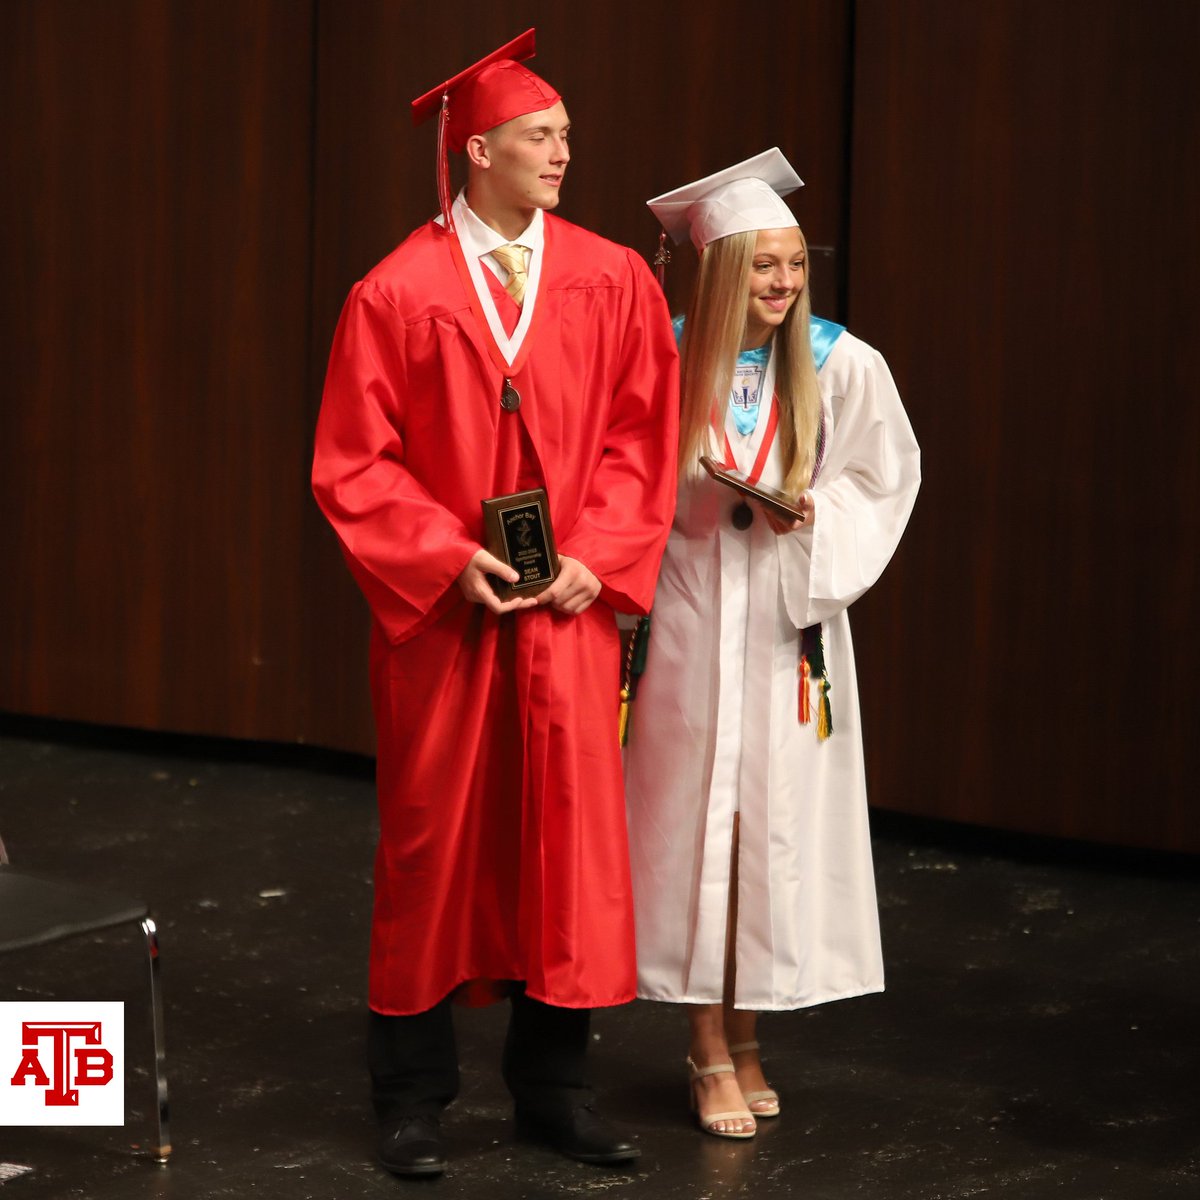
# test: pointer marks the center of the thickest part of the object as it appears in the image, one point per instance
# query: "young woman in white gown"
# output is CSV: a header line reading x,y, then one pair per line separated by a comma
x,y
749,838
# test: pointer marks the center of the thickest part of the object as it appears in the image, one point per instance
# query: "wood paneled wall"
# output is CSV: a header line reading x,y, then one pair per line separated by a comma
x,y
1024,247
1008,192
155,245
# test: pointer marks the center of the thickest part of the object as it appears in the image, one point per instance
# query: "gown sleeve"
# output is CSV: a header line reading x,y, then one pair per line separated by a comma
x,y
404,548
623,525
863,495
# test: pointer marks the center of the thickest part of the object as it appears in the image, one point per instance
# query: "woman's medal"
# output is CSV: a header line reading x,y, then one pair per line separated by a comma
x,y
742,515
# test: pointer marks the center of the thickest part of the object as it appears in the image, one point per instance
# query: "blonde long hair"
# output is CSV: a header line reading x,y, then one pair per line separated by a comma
x,y
712,336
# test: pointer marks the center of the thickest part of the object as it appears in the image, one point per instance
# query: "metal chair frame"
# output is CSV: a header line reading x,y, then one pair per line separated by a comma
x,y
103,911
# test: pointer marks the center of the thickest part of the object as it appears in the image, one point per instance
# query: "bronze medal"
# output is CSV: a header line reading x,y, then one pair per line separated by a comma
x,y
742,516
510,398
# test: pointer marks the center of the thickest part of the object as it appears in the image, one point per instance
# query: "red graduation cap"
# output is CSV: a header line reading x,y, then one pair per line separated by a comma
x,y
494,90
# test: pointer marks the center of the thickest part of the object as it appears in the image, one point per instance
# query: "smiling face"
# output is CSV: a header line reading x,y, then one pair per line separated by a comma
x,y
518,167
776,279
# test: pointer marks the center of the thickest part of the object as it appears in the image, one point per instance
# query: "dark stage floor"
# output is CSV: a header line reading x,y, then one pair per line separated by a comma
x,y
1037,1038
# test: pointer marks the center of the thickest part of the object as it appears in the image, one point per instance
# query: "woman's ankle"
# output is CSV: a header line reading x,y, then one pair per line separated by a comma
x,y
707,1044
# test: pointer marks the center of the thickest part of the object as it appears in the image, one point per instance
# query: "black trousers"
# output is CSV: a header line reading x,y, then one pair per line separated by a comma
x,y
414,1060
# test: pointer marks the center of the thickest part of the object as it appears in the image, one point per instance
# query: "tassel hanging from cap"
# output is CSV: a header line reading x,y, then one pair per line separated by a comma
x,y
805,672
445,200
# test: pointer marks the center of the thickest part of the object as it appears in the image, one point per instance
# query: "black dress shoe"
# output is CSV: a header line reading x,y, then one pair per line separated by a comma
x,y
579,1133
412,1145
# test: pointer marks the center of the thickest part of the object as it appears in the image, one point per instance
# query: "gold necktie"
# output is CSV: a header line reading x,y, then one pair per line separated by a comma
x,y
512,259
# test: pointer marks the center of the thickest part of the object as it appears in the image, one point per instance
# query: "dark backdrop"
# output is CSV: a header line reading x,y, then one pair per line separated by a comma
x,y
1007,193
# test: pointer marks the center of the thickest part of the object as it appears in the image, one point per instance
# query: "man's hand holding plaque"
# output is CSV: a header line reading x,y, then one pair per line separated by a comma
x,y
475,582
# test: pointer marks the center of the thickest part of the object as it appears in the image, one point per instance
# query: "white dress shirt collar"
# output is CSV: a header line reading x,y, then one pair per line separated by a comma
x,y
478,238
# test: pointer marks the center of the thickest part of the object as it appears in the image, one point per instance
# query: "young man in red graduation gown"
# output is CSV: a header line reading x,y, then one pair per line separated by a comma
x,y
499,349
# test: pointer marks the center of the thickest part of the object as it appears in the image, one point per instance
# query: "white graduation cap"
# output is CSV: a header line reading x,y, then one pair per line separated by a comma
x,y
738,199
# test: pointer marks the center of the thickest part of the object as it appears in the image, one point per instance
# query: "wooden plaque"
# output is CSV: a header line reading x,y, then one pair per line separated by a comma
x,y
783,505
517,530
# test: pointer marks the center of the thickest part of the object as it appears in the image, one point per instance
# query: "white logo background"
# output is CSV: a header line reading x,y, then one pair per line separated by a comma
x,y
99,1104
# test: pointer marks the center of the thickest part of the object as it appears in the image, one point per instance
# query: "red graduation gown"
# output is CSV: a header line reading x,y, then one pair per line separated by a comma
x,y
502,850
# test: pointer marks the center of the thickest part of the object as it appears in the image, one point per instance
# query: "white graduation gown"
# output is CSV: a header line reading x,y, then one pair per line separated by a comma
x,y
715,728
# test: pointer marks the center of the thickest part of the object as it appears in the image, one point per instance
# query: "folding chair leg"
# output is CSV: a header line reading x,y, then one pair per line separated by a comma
x,y
163,1149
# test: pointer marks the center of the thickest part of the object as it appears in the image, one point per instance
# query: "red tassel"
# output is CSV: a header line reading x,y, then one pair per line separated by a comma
x,y
805,706
445,200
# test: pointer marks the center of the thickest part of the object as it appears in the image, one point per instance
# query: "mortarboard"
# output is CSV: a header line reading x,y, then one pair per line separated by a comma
x,y
493,90
740,198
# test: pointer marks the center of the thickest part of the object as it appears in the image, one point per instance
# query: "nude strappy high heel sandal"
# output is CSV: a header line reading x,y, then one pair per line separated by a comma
x,y
768,1098
706,1121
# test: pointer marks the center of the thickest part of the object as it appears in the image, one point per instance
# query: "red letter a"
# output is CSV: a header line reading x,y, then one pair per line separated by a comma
x,y
30,1066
